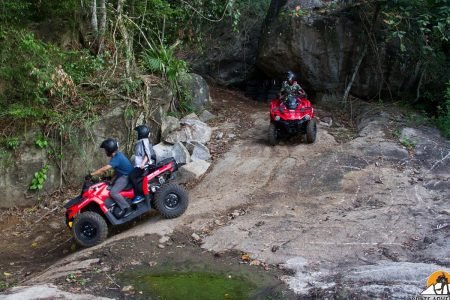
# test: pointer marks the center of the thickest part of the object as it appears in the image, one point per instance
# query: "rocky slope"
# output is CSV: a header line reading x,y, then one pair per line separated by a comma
x,y
360,215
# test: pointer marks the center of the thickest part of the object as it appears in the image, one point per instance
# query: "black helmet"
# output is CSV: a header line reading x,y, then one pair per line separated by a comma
x,y
143,131
290,75
110,146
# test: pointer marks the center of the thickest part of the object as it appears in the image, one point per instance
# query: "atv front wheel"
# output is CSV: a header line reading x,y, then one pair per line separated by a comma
x,y
311,131
171,200
89,229
273,134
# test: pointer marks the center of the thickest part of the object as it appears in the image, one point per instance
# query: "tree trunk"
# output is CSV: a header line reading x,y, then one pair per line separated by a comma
x,y
355,72
101,25
129,58
93,17
363,54
274,9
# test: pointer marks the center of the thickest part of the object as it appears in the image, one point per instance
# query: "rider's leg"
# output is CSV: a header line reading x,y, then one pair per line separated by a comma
x,y
118,186
135,176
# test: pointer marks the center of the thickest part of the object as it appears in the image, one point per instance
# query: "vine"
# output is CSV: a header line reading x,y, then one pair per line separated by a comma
x,y
39,178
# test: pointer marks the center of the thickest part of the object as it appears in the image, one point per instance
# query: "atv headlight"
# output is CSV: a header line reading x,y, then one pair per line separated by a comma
x,y
307,117
277,118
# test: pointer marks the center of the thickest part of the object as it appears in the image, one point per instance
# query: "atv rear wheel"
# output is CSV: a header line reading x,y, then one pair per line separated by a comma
x,y
89,229
311,131
273,134
171,200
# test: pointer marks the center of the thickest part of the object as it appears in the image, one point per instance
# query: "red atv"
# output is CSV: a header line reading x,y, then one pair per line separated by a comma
x,y
292,116
89,214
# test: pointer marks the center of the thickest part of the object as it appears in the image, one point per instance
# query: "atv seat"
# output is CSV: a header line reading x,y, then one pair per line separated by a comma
x,y
150,168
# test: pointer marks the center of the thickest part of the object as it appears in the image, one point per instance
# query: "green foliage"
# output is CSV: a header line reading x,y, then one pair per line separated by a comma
x,y
129,112
37,183
409,144
41,142
23,12
11,143
14,12
76,279
162,60
296,12
81,64
41,79
191,20
4,285
25,66
185,103
422,31
130,85
418,23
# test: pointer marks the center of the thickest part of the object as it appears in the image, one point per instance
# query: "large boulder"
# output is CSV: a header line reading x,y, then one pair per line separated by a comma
x,y
169,124
177,151
198,151
324,45
192,130
197,88
192,171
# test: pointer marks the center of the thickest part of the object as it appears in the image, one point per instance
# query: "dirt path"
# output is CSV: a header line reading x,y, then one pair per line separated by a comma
x,y
365,216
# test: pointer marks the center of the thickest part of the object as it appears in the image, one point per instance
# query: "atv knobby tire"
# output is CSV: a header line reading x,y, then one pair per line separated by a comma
x,y
171,200
273,134
89,229
311,131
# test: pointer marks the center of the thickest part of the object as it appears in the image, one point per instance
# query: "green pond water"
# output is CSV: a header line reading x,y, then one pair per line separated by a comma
x,y
201,284
194,285
186,274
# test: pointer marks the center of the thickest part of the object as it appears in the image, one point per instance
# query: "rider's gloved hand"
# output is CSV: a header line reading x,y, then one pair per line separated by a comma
x,y
88,177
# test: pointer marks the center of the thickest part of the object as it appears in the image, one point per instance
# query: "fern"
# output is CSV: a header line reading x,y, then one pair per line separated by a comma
x,y
162,61
154,64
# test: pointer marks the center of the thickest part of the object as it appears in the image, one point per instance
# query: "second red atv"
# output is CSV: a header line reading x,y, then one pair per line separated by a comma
x,y
89,215
292,116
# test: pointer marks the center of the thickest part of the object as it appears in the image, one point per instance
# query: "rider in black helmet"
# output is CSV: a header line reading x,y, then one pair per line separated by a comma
x,y
290,87
143,155
122,167
110,146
